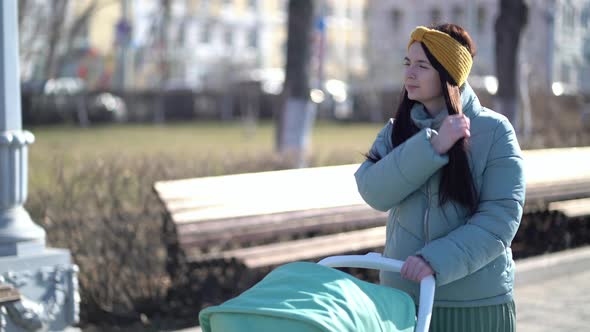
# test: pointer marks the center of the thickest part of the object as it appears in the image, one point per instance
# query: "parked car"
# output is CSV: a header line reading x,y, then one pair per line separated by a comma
x,y
67,100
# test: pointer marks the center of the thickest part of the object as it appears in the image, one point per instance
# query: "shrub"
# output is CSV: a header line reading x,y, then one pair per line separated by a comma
x,y
106,213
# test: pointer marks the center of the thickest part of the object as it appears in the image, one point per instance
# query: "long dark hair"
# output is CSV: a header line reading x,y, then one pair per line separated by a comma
x,y
456,182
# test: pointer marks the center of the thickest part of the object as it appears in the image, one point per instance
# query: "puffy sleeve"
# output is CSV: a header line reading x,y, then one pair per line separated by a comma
x,y
400,171
491,229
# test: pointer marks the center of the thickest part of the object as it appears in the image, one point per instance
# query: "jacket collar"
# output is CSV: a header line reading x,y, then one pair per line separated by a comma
x,y
422,118
469,102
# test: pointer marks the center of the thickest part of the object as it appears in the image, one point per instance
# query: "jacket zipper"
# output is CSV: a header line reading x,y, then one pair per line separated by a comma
x,y
426,213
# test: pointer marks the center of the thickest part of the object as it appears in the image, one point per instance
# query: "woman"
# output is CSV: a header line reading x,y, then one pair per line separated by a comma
x,y
449,172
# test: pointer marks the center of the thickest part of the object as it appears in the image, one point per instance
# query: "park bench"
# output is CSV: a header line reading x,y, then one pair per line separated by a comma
x,y
261,220
213,218
574,208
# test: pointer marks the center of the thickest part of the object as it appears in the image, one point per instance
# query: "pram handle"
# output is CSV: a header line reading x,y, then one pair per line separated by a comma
x,y
375,261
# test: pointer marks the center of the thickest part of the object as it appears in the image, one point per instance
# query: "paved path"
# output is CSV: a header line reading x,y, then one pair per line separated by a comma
x,y
554,292
561,304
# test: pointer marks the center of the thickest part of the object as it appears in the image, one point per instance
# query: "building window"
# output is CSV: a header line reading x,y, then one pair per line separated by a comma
x,y
253,4
565,73
481,19
228,37
435,16
396,19
206,33
350,10
568,15
328,9
457,15
181,36
585,19
253,38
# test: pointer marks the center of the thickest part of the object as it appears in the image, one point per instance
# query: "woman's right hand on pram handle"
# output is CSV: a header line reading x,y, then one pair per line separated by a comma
x,y
415,268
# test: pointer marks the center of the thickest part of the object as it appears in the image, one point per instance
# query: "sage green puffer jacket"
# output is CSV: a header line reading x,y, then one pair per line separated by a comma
x,y
470,254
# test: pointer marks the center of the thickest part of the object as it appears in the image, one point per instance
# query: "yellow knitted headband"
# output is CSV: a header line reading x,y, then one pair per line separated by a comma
x,y
453,56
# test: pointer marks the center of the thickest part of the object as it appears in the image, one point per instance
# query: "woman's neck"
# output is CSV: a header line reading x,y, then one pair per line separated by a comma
x,y
435,106
434,111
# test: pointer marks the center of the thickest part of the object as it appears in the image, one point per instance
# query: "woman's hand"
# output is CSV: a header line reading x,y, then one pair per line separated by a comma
x,y
453,128
416,268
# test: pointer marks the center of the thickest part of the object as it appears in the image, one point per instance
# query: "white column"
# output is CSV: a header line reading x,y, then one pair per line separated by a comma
x,y
18,233
45,278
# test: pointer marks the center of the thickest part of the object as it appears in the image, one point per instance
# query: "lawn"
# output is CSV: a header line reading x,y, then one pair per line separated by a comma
x,y
183,142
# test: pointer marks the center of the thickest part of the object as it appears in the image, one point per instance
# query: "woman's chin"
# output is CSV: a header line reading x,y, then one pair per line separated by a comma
x,y
412,96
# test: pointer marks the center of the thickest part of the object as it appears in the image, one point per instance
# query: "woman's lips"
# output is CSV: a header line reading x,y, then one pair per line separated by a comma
x,y
411,87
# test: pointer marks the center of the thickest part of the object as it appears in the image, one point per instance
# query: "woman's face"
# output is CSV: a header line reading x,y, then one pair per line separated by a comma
x,y
422,81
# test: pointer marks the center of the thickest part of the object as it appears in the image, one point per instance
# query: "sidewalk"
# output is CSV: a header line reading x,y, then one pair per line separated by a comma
x,y
552,292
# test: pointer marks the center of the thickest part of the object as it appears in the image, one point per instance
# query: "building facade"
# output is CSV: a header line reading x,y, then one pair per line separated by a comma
x,y
391,22
555,45
213,39
567,48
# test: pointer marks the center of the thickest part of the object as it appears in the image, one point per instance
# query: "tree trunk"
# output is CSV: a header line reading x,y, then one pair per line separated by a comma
x,y
56,20
509,25
23,6
297,115
75,30
164,63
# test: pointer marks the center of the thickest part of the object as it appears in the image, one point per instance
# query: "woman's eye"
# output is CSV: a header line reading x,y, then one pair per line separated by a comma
x,y
423,67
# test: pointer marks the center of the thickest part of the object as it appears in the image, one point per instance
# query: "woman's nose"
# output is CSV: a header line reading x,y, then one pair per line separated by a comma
x,y
410,72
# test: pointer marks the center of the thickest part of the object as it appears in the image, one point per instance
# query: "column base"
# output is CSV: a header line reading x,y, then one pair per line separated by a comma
x,y
48,285
19,235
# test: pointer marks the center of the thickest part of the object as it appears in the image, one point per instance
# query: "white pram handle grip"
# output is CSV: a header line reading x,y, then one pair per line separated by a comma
x,y
375,261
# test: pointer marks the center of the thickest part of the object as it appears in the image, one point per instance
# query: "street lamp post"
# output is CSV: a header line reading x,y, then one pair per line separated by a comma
x,y
45,277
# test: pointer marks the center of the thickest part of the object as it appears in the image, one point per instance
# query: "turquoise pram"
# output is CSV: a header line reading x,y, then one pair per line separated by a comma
x,y
308,297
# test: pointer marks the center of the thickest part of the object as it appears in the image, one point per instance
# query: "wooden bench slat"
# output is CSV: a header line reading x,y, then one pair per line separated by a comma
x,y
572,208
239,186
556,165
558,189
243,209
238,195
541,195
268,227
305,249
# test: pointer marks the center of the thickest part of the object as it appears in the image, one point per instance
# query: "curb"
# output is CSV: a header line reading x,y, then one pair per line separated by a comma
x,y
549,266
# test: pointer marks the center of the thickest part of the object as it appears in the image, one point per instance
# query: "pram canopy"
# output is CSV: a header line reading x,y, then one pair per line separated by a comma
x,y
307,297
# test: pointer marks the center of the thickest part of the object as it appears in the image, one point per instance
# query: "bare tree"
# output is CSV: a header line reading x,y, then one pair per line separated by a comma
x,y
75,30
164,63
43,26
32,26
56,21
295,121
23,5
510,24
